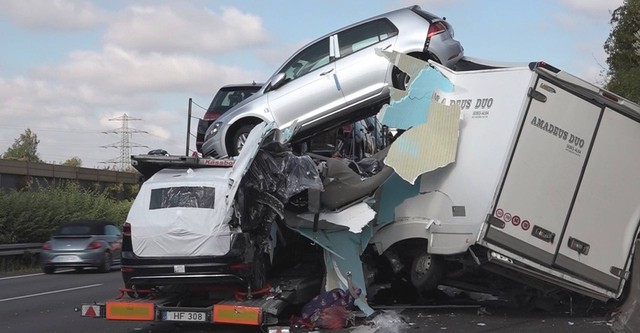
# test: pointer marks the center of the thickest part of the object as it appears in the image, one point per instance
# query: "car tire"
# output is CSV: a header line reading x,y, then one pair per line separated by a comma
x,y
48,269
426,271
400,79
105,267
238,139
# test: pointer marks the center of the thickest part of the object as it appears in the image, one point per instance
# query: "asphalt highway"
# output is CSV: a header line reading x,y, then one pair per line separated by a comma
x,y
46,303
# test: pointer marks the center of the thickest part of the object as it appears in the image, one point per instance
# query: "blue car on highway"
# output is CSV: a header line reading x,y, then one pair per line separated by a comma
x,y
82,244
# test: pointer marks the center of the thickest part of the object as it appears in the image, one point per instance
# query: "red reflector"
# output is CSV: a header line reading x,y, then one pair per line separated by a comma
x,y
91,310
435,29
46,246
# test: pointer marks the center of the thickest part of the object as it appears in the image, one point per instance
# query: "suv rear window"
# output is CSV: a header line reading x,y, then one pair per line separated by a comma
x,y
182,196
226,98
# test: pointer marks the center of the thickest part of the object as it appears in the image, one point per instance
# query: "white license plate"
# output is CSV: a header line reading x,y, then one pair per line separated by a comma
x,y
178,269
66,259
184,316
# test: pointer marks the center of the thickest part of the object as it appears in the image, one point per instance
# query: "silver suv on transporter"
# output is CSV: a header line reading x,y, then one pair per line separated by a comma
x,y
338,77
226,98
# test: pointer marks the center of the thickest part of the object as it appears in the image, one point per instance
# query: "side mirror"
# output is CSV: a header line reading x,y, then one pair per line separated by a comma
x,y
277,81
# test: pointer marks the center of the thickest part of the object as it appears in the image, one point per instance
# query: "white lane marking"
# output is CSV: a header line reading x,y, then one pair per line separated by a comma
x,y
49,292
34,274
20,276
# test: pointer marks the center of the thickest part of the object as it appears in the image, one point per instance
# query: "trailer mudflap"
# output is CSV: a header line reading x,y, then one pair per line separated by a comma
x,y
627,318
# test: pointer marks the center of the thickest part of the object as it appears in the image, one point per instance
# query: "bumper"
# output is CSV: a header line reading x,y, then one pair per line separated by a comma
x,y
203,125
214,147
230,268
72,259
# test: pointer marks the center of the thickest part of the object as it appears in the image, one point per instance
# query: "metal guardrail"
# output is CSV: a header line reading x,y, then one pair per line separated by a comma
x,y
19,249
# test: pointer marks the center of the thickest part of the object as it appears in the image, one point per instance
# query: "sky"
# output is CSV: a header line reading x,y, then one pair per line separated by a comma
x,y
70,70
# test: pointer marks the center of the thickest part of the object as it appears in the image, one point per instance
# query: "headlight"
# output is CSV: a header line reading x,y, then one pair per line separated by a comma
x,y
213,130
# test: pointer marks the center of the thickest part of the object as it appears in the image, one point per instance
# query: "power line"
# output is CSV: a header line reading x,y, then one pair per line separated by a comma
x,y
198,105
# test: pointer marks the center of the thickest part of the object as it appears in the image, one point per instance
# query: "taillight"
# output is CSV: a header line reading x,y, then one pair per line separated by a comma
x,y
436,28
610,96
126,229
211,116
46,246
94,245
240,266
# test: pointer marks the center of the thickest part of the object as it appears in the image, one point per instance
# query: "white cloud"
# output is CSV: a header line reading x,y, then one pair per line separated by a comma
x,y
53,14
182,28
116,70
69,105
70,121
595,8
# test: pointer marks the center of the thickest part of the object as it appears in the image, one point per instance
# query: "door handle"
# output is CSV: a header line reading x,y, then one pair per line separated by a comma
x,y
386,47
327,72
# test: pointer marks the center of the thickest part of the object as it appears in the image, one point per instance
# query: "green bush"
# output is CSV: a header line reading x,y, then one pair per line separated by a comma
x,y
31,215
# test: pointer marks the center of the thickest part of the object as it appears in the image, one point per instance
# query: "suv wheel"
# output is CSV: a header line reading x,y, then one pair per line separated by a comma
x,y
239,138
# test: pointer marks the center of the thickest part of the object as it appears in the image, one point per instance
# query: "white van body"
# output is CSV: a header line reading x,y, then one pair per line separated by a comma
x,y
546,176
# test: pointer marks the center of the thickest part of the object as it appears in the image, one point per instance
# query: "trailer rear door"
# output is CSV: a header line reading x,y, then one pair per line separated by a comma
x,y
570,196
602,226
544,173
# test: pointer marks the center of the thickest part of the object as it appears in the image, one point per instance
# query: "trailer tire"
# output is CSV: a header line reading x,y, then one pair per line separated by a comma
x,y
426,271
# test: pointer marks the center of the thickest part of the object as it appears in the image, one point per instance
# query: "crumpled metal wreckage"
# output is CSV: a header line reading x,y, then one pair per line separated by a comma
x,y
331,201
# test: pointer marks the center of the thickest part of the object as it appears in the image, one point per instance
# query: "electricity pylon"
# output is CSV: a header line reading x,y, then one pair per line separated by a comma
x,y
125,144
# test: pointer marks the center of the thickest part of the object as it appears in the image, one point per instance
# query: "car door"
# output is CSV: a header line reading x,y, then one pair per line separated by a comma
x,y
310,89
361,72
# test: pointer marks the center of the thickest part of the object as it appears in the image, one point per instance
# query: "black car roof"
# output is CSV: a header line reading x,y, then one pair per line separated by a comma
x,y
96,226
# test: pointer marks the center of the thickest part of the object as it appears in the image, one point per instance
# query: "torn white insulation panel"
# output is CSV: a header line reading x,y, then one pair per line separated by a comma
x,y
410,108
354,217
428,146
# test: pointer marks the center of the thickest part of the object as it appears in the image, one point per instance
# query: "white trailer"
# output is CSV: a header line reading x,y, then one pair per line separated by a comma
x,y
546,179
